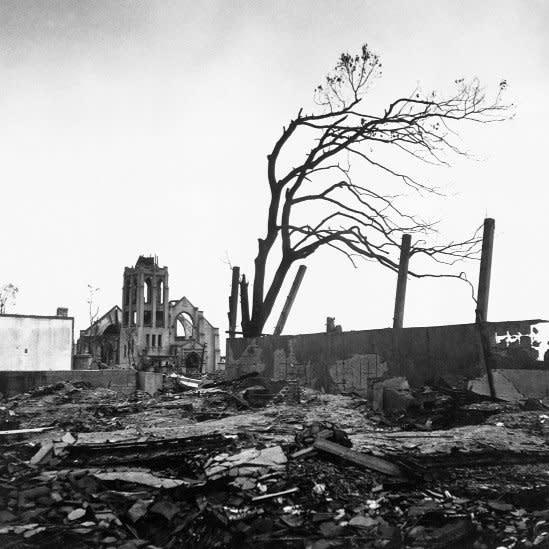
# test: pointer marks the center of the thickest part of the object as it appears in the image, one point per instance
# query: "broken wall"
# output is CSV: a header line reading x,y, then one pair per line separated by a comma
x,y
346,361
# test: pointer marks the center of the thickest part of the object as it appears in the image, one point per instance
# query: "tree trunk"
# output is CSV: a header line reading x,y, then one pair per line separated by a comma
x,y
255,326
262,309
244,305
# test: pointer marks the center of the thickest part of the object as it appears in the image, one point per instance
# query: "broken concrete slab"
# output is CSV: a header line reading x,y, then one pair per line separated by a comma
x,y
392,395
150,382
247,463
531,383
504,388
460,446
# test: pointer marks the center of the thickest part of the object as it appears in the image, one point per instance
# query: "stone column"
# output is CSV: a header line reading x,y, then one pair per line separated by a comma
x,y
129,283
140,298
166,303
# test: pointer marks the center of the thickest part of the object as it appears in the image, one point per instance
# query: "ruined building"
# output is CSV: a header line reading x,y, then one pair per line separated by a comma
x,y
150,331
101,340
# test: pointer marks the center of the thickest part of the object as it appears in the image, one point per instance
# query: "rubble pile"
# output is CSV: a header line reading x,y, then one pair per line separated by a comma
x,y
321,473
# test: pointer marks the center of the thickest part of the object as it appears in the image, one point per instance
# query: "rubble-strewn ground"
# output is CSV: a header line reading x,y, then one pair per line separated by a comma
x,y
229,466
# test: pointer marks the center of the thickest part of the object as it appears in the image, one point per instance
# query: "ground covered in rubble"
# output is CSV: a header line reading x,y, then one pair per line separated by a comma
x,y
243,465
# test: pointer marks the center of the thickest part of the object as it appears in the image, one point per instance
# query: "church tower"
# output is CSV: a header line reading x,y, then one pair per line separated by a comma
x,y
145,312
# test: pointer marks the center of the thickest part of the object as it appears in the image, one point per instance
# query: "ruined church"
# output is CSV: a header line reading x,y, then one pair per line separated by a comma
x,y
150,331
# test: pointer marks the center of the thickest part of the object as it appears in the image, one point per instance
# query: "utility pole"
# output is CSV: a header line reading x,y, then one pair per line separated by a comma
x,y
400,298
483,294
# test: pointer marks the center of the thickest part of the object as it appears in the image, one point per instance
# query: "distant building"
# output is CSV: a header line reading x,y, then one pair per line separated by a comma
x,y
35,343
152,331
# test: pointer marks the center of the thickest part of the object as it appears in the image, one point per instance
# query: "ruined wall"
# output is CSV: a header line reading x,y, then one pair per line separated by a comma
x,y
35,342
351,360
13,383
203,334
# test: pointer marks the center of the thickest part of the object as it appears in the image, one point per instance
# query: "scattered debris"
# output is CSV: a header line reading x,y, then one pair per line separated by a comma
x,y
230,465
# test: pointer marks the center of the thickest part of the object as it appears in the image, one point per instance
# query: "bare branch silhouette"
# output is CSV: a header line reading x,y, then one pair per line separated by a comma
x,y
358,221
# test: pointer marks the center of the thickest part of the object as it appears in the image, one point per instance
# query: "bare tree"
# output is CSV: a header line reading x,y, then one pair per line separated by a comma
x,y
93,313
355,219
8,293
130,338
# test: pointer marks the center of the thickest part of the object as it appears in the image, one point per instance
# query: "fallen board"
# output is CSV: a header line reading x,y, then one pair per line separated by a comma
x,y
14,432
368,461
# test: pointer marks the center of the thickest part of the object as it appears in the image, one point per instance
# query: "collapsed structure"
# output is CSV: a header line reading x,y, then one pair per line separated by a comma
x,y
151,331
405,437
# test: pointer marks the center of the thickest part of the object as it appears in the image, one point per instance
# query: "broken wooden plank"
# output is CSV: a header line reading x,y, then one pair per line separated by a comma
x,y
12,432
275,494
44,453
304,452
364,460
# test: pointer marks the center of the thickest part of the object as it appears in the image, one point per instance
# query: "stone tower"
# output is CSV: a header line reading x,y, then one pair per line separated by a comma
x,y
145,312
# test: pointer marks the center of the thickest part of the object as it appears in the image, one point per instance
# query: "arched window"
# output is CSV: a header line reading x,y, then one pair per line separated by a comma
x,y
161,292
184,326
147,290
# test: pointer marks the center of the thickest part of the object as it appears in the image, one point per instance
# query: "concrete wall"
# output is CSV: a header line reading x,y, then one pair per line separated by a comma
x,y
35,342
12,383
150,382
352,360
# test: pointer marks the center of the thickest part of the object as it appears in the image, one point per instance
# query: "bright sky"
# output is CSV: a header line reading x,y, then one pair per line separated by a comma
x,y
142,127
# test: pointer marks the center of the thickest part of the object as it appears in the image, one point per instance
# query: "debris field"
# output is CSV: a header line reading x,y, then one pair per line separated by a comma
x,y
248,463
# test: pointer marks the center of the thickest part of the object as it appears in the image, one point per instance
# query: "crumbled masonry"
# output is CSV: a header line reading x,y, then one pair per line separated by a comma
x,y
247,464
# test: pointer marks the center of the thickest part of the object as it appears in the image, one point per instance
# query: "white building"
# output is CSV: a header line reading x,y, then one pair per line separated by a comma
x,y
30,343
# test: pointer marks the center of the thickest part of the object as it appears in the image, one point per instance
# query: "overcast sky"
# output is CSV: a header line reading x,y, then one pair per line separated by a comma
x,y
142,127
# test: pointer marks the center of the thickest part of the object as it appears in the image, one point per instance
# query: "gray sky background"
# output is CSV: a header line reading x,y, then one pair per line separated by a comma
x,y
134,128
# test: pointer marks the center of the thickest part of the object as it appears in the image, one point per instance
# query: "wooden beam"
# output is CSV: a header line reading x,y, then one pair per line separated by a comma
x,y
365,460
276,494
400,298
290,300
233,301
